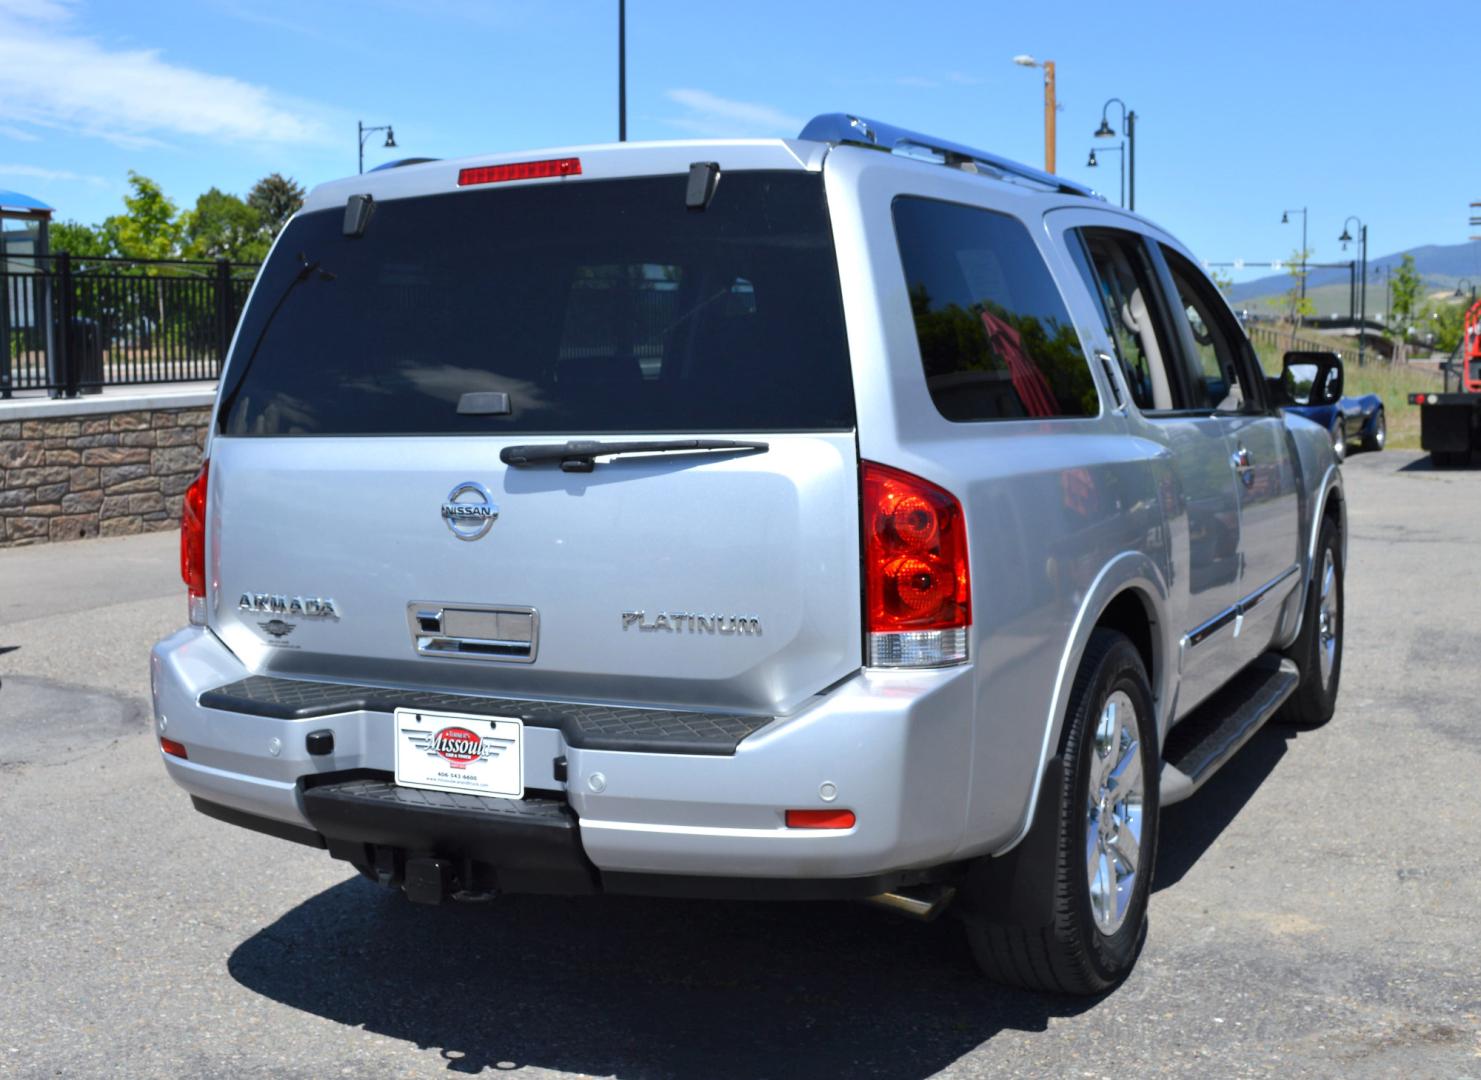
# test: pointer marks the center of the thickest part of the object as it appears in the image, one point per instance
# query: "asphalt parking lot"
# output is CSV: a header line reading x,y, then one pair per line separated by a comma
x,y
1315,909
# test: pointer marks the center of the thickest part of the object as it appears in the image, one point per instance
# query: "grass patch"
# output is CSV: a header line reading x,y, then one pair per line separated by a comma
x,y
1392,384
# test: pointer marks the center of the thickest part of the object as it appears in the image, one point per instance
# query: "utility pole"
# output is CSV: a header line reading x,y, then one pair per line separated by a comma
x,y
1049,107
1024,60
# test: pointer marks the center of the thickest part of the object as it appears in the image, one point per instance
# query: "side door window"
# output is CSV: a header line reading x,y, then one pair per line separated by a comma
x,y
1214,349
1121,277
996,340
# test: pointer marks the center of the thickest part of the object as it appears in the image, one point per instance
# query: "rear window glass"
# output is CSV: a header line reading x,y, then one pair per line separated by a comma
x,y
596,306
995,338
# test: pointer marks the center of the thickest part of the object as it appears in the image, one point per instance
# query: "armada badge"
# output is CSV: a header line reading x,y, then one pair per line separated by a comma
x,y
305,607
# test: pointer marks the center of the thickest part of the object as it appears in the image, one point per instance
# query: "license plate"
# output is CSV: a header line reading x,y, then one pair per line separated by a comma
x,y
479,755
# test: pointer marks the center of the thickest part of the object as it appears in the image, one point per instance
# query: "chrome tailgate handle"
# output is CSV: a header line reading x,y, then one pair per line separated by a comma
x,y
474,631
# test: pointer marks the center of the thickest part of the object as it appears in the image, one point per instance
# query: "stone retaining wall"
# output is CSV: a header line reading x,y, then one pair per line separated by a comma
x,y
97,475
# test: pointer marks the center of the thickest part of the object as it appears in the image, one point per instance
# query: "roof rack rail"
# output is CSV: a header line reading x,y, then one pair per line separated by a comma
x,y
859,131
399,162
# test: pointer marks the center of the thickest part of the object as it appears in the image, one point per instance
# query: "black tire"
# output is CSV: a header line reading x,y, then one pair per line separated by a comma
x,y
1048,938
1315,698
1449,459
1374,439
1338,434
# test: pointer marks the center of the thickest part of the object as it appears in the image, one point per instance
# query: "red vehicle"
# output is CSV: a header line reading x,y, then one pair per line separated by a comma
x,y
1450,423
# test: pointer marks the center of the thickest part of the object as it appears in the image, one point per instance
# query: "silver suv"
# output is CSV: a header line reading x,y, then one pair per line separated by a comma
x,y
854,516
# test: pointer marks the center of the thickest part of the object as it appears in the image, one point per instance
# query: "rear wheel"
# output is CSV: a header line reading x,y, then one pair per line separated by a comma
x,y
1318,649
1081,933
1377,435
1448,459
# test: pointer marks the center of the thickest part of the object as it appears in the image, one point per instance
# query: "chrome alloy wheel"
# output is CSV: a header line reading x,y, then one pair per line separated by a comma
x,y
1339,439
1329,620
1380,431
1113,817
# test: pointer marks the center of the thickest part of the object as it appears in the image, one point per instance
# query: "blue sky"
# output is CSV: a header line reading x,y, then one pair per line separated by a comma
x,y
1244,111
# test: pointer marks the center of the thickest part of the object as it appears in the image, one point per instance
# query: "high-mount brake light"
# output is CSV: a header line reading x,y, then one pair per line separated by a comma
x,y
193,545
918,591
520,170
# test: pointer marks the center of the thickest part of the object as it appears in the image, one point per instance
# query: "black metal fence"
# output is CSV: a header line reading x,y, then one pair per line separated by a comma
x,y
71,326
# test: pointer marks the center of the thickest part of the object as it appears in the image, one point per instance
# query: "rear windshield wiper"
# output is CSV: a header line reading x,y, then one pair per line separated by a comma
x,y
579,455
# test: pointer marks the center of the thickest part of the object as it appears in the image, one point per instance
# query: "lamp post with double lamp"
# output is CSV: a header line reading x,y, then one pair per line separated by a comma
x,y
1024,60
1285,219
1460,293
622,70
1128,125
1092,163
1344,240
366,132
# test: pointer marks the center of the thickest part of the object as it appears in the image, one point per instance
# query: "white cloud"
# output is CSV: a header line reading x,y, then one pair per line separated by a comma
x,y
54,77
36,172
709,114
18,134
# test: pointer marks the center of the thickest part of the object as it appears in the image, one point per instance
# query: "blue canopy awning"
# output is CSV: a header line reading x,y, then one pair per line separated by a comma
x,y
14,200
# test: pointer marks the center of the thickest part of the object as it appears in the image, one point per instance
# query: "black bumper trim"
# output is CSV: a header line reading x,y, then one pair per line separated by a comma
x,y
590,727
257,823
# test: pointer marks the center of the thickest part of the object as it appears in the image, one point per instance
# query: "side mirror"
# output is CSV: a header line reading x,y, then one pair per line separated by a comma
x,y
1312,378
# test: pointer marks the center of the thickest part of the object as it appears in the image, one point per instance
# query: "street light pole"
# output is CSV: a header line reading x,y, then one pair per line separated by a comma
x,y
1284,218
1050,106
364,132
1345,239
622,70
1128,125
1091,163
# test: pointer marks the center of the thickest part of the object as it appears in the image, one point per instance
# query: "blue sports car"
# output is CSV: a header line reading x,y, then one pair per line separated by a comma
x,y
1349,418
1308,375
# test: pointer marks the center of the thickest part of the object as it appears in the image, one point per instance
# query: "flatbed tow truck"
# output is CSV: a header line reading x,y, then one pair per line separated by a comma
x,y
1450,422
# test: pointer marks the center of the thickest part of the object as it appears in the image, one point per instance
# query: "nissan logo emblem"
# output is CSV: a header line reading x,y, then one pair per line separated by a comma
x,y
469,510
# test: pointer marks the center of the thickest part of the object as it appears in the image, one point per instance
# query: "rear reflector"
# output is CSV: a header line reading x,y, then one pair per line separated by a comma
x,y
522,170
171,747
820,819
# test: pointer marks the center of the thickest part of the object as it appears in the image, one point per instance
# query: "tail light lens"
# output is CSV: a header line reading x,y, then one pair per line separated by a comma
x,y
193,545
918,590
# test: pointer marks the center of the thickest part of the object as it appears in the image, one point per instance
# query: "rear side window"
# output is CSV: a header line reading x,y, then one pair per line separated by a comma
x,y
597,307
996,340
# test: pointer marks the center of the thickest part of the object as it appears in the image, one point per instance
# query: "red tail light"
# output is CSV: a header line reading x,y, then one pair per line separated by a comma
x,y
520,170
173,748
193,543
918,589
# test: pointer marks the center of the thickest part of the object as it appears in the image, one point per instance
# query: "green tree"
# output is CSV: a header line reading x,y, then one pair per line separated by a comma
x,y
1447,322
1404,295
222,226
151,228
1297,305
276,198
1222,281
79,240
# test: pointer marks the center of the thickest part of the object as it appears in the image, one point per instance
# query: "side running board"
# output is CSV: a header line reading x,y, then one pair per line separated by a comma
x,y
1200,745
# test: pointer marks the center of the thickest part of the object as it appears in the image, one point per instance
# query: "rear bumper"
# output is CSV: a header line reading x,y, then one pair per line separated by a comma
x,y
894,747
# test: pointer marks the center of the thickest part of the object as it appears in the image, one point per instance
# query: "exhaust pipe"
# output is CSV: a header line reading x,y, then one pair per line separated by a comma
x,y
921,902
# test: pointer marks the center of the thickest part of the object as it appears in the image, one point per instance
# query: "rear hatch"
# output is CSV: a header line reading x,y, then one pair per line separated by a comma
x,y
364,526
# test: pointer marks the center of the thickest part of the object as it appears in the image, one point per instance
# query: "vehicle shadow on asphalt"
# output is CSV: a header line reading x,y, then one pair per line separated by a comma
x,y
1188,829
617,986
